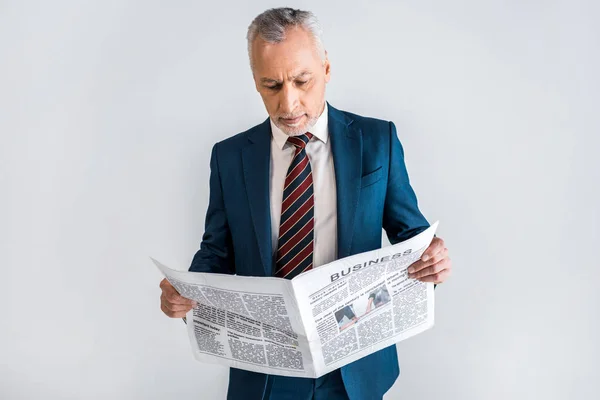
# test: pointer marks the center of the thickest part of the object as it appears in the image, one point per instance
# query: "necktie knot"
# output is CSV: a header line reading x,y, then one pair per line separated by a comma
x,y
300,141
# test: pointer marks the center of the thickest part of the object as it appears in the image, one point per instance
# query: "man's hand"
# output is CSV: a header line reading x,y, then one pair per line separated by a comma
x,y
434,266
171,303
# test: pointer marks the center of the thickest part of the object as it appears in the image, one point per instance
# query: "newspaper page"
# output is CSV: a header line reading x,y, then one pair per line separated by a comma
x,y
319,321
251,323
360,304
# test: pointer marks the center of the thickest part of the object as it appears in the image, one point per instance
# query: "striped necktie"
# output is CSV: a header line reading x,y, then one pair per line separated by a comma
x,y
296,227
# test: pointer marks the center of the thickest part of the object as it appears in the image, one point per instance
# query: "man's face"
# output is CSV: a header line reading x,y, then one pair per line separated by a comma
x,y
291,77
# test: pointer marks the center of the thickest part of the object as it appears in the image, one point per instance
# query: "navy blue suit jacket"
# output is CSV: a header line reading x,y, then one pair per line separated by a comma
x,y
373,191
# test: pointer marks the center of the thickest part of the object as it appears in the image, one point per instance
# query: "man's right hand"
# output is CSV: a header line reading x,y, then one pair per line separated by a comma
x,y
171,302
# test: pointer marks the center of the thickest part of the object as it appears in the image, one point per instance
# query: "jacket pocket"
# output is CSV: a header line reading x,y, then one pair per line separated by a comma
x,y
370,178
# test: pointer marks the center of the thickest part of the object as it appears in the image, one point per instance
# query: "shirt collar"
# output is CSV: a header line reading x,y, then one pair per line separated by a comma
x,y
319,130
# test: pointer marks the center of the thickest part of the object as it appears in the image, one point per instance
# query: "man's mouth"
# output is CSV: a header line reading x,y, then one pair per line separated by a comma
x,y
291,121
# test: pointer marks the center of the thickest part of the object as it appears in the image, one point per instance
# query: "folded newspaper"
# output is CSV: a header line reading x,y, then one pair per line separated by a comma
x,y
315,323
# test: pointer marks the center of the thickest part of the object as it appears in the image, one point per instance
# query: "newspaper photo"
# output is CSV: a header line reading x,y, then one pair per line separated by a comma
x,y
317,322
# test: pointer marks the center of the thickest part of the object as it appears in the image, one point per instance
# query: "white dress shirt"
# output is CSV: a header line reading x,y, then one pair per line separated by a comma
x,y
318,150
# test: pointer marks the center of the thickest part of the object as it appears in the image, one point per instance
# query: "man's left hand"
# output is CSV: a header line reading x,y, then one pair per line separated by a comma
x,y
434,266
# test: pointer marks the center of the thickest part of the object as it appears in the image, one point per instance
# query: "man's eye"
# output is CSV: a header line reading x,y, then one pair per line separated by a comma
x,y
275,87
301,82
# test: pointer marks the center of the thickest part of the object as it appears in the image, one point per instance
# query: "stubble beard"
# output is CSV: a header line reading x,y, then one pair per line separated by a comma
x,y
297,130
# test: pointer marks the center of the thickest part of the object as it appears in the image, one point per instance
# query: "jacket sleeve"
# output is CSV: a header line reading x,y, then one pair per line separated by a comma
x,y
401,216
216,249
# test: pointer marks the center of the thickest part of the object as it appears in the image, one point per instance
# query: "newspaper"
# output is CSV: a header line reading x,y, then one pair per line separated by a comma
x,y
315,323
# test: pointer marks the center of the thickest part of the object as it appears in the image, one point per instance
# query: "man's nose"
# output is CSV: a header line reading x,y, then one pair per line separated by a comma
x,y
288,101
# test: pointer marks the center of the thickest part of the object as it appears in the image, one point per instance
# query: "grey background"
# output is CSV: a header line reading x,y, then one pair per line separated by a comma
x,y
109,109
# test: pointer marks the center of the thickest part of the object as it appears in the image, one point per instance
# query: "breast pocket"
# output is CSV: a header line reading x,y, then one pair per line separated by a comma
x,y
370,178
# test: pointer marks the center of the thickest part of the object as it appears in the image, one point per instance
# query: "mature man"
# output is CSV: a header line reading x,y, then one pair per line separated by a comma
x,y
309,185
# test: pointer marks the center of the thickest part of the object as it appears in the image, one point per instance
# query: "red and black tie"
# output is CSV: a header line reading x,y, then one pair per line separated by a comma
x,y
296,228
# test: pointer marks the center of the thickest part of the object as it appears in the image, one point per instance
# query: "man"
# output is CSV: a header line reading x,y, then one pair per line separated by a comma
x,y
345,317
309,185
377,298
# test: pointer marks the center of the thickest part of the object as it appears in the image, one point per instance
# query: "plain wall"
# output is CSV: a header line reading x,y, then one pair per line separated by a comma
x,y
108,112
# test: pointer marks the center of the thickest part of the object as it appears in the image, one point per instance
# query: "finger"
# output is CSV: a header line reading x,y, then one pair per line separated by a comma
x,y
434,269
440,277
165,285
174,298
172,293
420,265
445,268
175,307
436,245
172,314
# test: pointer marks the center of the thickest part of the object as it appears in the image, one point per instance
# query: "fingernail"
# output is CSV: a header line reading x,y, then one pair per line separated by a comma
x,y
411,270
425,257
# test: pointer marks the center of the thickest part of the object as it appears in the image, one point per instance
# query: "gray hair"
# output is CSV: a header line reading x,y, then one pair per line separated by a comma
x,y
271,26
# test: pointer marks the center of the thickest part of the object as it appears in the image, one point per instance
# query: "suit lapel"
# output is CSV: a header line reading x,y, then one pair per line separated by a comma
x,y
256,159
346,146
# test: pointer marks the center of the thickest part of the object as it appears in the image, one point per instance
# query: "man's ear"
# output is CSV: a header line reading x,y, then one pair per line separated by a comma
x,y
327,66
